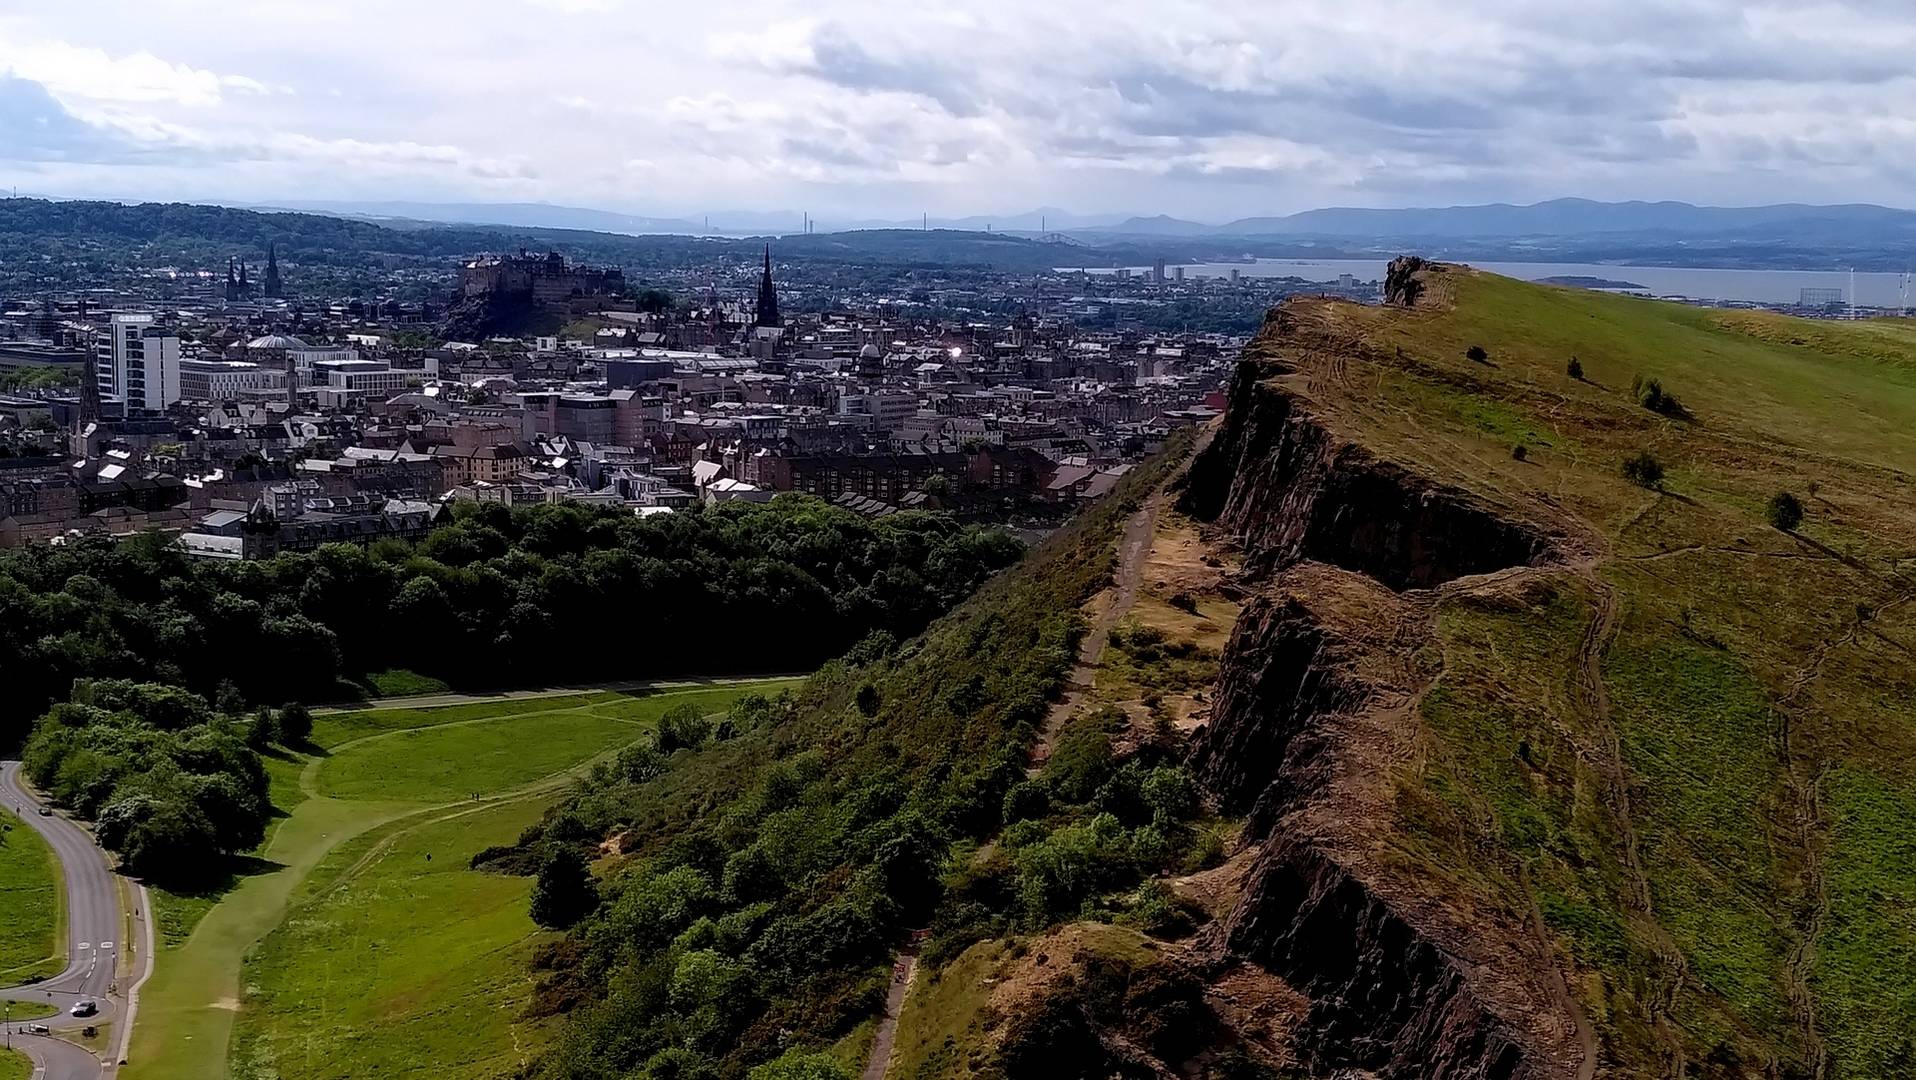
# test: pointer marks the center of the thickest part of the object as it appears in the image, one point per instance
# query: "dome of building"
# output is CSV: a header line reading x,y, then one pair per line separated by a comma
x,y
276,341
870,352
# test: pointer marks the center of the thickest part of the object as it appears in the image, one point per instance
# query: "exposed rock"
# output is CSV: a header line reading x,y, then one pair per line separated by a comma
x,y
1401,284
1290,490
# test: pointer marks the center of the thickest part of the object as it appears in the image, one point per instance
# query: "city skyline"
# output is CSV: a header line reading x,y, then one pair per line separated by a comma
x,y
852,110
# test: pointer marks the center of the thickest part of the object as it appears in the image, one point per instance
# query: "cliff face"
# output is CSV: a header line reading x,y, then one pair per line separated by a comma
x,y
1291,490
1316,704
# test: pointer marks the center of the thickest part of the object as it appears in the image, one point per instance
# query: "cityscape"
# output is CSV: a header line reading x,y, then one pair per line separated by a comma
x,y
578,540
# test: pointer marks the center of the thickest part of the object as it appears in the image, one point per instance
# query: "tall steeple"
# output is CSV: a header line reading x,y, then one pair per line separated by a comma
x,y
271,284
767,295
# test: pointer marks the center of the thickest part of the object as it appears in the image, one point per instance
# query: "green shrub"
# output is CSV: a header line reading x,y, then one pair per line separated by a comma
x,y
1643,470
1785,511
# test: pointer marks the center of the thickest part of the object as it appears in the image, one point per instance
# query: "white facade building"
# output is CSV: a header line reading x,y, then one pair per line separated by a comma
x,y
138,361
228,380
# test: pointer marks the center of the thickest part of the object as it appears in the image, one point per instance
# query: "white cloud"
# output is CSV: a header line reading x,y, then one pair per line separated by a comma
x,y
79,74
1186,106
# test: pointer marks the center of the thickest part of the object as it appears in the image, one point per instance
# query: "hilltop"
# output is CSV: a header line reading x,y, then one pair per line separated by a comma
x,y
1406,734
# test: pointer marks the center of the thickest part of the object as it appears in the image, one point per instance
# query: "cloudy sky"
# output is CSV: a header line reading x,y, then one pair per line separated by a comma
x,y
1207,110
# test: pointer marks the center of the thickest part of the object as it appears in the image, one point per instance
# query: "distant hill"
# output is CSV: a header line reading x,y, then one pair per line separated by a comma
x,y
192,235
1557,218
522,215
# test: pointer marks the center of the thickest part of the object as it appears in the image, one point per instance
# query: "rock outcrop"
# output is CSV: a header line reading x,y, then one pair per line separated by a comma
x,y
1402,286
1289,489
1316,706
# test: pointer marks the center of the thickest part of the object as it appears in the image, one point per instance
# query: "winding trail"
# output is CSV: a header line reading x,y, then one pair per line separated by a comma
x,y
1110,606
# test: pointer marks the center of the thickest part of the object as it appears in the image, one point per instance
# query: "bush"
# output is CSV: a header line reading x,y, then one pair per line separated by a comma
x,y
1785,511
1650,394
683,727
1574,369
295,724
1476,354
1519,452
1184,601
564,892
1643,470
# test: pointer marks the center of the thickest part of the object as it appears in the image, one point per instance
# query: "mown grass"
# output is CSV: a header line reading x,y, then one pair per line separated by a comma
x,y
333,729
437,764
402,683
31,931
409,762
400,960
14,1065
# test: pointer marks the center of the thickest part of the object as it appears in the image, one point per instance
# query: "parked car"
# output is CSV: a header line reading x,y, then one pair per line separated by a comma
x,y
39,1029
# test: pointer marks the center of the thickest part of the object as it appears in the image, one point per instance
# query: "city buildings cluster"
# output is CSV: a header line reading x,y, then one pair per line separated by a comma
x,y
248,421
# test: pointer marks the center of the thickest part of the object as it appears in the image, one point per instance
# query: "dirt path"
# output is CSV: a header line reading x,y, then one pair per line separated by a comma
x,y
903,971
1109,606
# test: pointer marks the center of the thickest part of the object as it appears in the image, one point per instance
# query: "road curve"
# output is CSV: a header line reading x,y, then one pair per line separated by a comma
x,y
94,927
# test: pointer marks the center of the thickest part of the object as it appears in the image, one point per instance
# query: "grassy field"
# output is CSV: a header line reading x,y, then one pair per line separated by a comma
x,y
32,933
14,1065
384,786
1712,837
401,960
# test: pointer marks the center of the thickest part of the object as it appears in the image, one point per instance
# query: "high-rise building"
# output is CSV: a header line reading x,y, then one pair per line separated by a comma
x,y
138,361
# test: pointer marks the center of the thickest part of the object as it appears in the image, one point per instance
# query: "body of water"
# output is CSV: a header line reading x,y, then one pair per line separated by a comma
x,y
1750,286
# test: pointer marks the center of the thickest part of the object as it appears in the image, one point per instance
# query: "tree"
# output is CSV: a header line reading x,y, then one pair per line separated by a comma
x,y
1574,369
565,891
1785,511
1643,470
683,727
262,729
295,724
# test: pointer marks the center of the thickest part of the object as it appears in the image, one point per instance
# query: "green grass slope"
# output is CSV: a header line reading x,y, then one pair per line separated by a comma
x,y
30,934
341,950
1694,751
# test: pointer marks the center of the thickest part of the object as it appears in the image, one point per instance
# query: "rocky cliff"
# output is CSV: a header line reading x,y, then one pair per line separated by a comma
x,y
1316,709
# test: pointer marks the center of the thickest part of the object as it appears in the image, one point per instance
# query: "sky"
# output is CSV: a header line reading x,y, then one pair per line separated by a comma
x,y
1202,110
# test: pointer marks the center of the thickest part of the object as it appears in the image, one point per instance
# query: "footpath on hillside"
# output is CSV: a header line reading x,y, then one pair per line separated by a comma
x,y
1105,610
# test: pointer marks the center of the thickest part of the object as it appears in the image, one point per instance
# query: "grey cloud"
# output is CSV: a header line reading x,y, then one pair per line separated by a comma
x,y
36,127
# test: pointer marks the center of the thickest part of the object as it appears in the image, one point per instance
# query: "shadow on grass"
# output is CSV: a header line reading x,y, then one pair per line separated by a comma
x,y
221,878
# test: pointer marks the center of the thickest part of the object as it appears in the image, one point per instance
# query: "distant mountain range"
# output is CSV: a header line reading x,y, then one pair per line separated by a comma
x,y
1552,222
1556,218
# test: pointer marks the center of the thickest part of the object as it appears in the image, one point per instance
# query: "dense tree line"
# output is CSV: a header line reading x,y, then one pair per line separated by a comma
x,y
774,871
497,597
172,784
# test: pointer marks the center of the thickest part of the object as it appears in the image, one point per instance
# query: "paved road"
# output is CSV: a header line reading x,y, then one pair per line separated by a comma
x,y
94,927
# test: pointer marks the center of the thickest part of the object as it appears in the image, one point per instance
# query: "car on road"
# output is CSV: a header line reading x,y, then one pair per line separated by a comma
x,y
86,1007
39,1029
46,811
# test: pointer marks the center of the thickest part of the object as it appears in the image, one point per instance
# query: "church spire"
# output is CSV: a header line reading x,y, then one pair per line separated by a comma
x,y
767,295
272,284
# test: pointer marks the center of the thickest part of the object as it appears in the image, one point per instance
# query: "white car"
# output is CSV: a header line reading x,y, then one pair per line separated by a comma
x,y
86,1007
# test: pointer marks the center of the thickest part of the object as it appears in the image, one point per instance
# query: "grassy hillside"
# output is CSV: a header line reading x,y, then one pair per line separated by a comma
x,y
359,941
1694,752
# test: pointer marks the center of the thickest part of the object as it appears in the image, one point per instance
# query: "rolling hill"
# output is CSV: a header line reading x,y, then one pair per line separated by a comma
x,y
1409,734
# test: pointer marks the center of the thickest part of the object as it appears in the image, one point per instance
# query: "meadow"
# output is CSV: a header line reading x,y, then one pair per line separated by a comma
x,y
340,949
31,932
